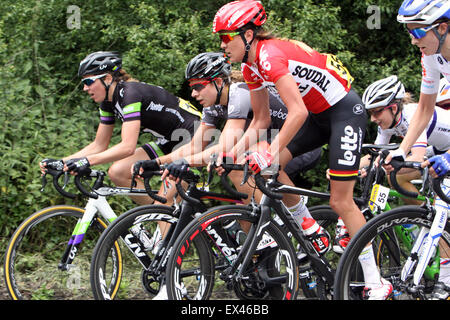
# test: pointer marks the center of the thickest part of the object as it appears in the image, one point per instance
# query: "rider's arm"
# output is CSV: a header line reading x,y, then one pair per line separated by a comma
x,y
419,121
231,133
100,143
261,120
297,113
198,142
126,148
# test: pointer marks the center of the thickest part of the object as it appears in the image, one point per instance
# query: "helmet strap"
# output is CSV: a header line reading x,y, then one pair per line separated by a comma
x,y
440,38
107,86
394,120
247,45
219,91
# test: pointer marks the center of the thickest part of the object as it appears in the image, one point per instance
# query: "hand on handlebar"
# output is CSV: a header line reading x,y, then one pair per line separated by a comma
x,y
258,161
176,170
52,164
141,166
78,165
397,154
440,165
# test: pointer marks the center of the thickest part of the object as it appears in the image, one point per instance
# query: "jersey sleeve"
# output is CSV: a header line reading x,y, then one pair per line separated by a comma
x,y
239,104
131,100
253,81
430,75
106,113
383,137
208,118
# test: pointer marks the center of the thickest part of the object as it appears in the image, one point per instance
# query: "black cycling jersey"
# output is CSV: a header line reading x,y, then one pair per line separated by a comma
x,y
160,112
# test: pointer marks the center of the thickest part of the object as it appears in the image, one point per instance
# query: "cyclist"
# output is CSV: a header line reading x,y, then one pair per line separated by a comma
x,y
137,105
306,81
385,101
428,22
226,106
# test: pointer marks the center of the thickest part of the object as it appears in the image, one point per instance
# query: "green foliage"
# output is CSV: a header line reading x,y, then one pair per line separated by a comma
x,y
45,113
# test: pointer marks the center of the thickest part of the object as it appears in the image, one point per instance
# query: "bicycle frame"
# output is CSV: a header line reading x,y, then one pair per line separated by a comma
x,y
93,207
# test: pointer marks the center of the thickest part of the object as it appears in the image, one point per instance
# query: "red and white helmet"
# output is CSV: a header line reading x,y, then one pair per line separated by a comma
x,y
237,14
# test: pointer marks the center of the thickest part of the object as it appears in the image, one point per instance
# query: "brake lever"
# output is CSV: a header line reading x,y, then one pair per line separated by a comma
x,y
66,179
43,181
212,166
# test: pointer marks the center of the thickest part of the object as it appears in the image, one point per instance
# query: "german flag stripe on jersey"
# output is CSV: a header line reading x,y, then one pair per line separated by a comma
x,y
343,175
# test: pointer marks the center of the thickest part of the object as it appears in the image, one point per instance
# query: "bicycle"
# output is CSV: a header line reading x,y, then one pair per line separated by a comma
x,y
405,261
31,267
145,248
261,263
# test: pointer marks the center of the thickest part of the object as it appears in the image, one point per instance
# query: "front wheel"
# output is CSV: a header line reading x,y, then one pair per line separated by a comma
x,y
138,232
271,273
33,255
392,235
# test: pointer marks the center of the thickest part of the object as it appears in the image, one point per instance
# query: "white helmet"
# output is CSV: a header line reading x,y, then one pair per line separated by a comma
x,y
382,92
444,90
423,11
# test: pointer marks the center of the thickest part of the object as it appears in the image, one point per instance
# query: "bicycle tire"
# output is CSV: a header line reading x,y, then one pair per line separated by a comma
x,y
268,261
348,283
137,283
34,252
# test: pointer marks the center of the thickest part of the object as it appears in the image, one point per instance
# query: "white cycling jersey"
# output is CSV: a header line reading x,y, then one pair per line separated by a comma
x,y
436,134
432,68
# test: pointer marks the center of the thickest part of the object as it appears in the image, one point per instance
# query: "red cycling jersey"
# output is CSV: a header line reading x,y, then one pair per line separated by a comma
x,y
321,78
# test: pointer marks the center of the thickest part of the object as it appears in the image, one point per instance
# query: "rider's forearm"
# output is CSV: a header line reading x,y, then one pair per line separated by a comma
x,y
419,121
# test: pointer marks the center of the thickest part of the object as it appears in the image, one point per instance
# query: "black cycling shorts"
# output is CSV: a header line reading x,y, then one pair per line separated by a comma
x,y
342,127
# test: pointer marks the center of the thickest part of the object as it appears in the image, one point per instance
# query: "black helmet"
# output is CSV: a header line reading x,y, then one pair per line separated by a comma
x,y
208,65
100,62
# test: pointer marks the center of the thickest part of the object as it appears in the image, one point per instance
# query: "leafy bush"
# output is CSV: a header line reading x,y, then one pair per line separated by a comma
x,y
46,114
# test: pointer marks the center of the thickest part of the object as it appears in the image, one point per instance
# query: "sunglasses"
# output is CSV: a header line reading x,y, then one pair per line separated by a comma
x,y
419,33
376,113
90,80
198,86
228,36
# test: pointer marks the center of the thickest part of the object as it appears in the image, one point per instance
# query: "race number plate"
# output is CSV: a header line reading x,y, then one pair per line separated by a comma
x,y
378,197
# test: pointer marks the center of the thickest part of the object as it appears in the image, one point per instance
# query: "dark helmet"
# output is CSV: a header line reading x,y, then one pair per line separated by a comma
x,y
100,62
208,65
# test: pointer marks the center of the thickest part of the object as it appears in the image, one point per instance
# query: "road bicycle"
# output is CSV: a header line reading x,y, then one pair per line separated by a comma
x,y
40,257
146,235
266,259
405,240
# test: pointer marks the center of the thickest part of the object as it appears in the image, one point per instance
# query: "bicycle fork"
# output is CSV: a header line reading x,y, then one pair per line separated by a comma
x,y
425,245
92,207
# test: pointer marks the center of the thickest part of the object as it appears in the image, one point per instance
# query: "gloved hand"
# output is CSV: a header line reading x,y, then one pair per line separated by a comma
x,y
145,165
52,164
440,164
398,154
259,160
178,168
78,165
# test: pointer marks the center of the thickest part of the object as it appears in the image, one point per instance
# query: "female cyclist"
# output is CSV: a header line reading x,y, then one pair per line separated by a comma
x,y
226,106
139,106
388,107
428,23
306,81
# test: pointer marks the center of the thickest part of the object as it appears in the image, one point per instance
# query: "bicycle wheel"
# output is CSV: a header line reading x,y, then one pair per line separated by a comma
x,y
313,286
35,250
271,274
137,281
392,236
